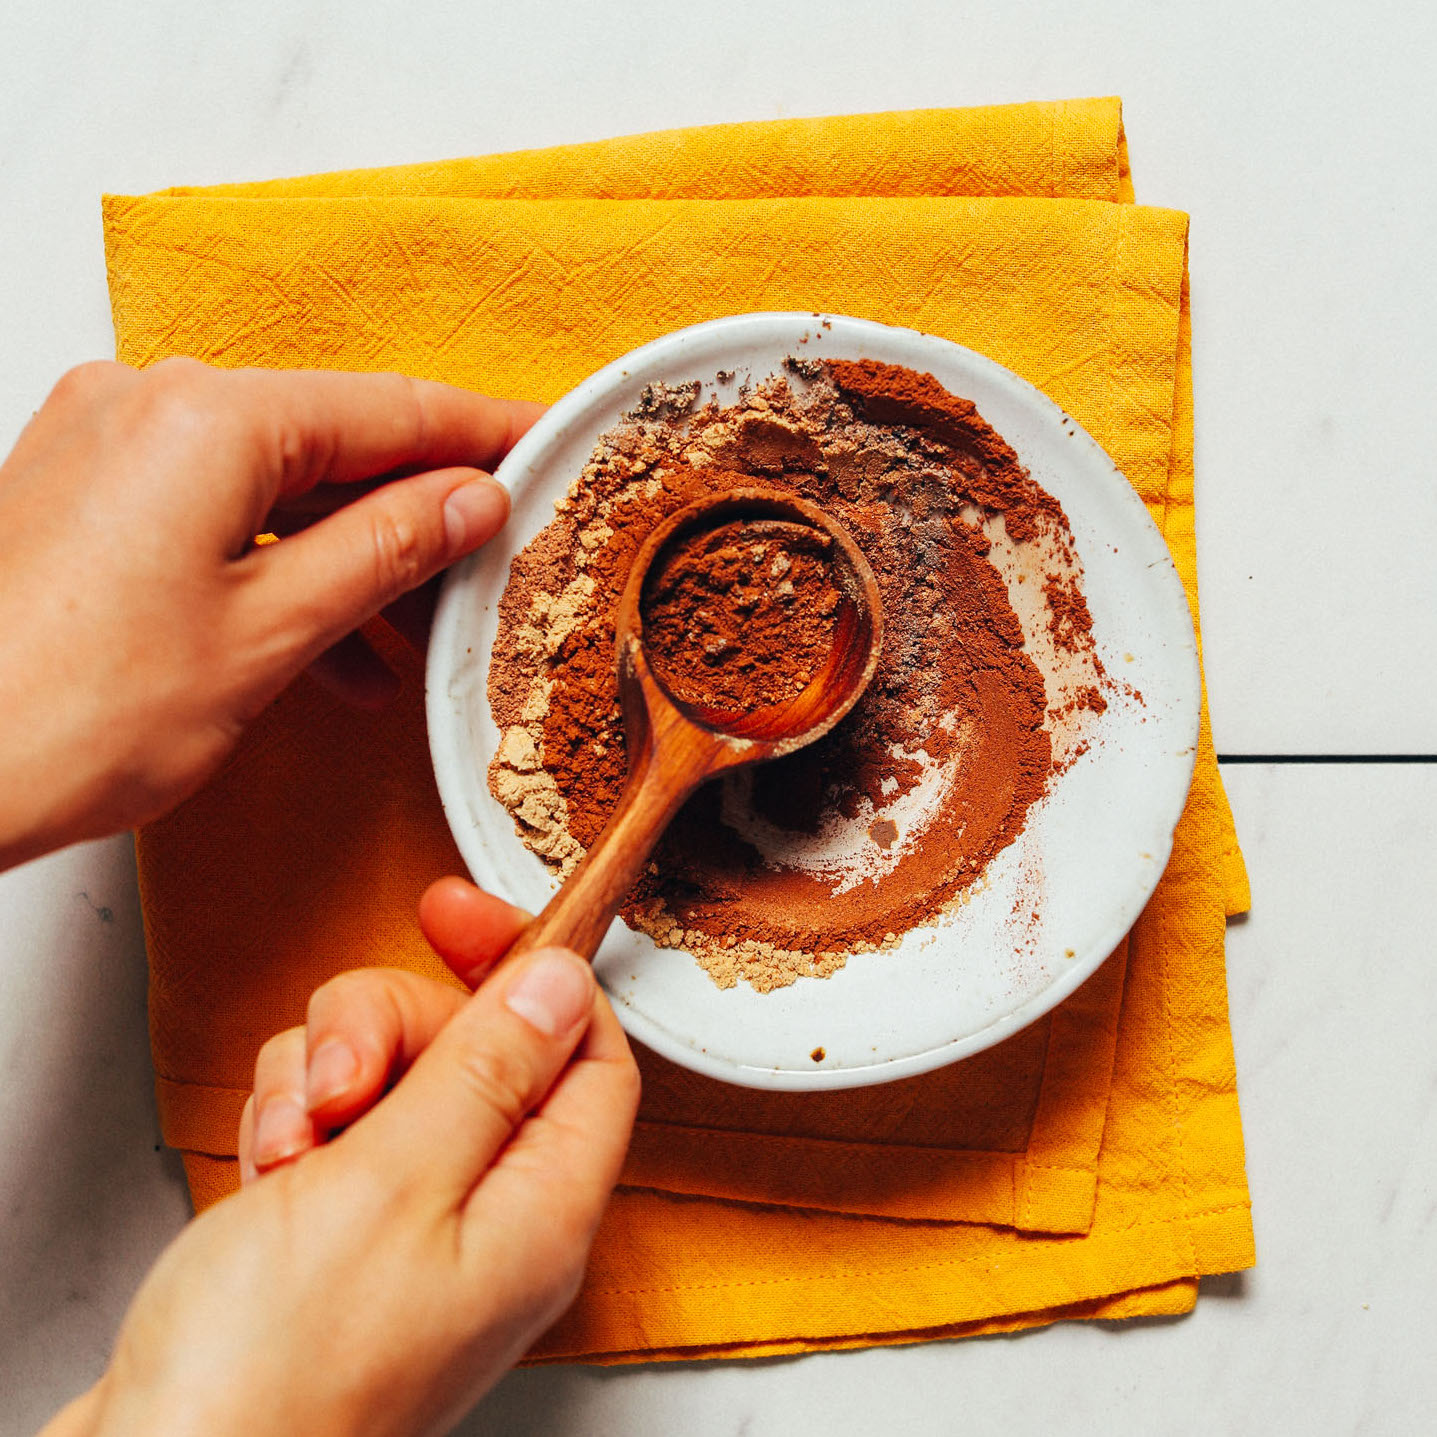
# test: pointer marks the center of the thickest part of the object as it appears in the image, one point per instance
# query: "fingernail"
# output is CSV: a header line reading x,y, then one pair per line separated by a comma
x,y
333,1067
281,1130
473,512
553,993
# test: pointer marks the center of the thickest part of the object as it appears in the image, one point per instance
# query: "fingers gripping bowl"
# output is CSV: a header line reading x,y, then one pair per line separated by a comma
x,y
1106,774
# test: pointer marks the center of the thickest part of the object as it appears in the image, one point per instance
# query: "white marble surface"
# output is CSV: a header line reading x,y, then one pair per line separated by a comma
x,y
1301,143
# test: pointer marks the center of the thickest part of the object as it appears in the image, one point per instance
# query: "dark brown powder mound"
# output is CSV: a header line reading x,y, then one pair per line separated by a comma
x,y
778,871
743,616
988,471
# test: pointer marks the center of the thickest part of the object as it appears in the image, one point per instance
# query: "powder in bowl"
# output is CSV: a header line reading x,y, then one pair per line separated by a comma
x,y
988,682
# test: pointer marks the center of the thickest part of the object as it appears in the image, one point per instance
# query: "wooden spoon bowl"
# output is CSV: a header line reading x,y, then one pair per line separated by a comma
x,y
674,746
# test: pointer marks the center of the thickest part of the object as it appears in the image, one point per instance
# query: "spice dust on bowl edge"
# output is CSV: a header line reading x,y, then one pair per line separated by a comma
x,y
1049,906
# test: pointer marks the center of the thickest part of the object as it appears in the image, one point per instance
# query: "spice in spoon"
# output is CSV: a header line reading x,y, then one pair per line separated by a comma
x,y
741,617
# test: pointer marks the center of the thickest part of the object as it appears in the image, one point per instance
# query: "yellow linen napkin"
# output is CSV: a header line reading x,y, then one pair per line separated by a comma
x,y
748,1223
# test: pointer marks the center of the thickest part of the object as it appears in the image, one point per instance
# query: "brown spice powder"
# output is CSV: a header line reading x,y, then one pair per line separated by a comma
x,y
741,617
781,871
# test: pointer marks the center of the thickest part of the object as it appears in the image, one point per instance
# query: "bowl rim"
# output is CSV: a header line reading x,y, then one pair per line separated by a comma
x,y
448,748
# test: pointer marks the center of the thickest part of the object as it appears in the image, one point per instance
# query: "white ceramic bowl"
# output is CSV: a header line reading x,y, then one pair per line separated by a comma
x,y
1099,839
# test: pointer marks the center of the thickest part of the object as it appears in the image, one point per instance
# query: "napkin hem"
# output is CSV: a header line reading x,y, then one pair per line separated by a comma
x,y
1168,1299
1173,1247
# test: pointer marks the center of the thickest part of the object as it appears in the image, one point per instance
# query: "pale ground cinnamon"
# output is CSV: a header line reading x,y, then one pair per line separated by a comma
x,y
986,685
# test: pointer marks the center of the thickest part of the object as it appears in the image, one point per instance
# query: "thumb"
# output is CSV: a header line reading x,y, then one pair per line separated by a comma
x,y
491,1066
322,583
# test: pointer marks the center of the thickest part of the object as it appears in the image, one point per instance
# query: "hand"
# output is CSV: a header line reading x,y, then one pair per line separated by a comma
x,y
141,629
365,1028
381,1282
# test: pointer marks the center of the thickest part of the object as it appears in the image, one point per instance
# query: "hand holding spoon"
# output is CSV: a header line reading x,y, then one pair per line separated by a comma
x,y
675,746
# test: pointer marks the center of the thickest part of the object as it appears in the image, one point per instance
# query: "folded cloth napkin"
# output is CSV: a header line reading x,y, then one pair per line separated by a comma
x,y
1091,1165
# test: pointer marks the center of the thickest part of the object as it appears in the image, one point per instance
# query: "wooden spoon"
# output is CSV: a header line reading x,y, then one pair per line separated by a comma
x,y
673,747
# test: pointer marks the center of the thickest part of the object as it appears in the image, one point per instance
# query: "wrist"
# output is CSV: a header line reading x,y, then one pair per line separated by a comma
x,y
54,750
79,1418
25,831
37,812
126,1406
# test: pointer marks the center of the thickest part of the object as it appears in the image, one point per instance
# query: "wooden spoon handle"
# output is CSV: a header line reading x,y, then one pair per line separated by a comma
x,y
579,914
